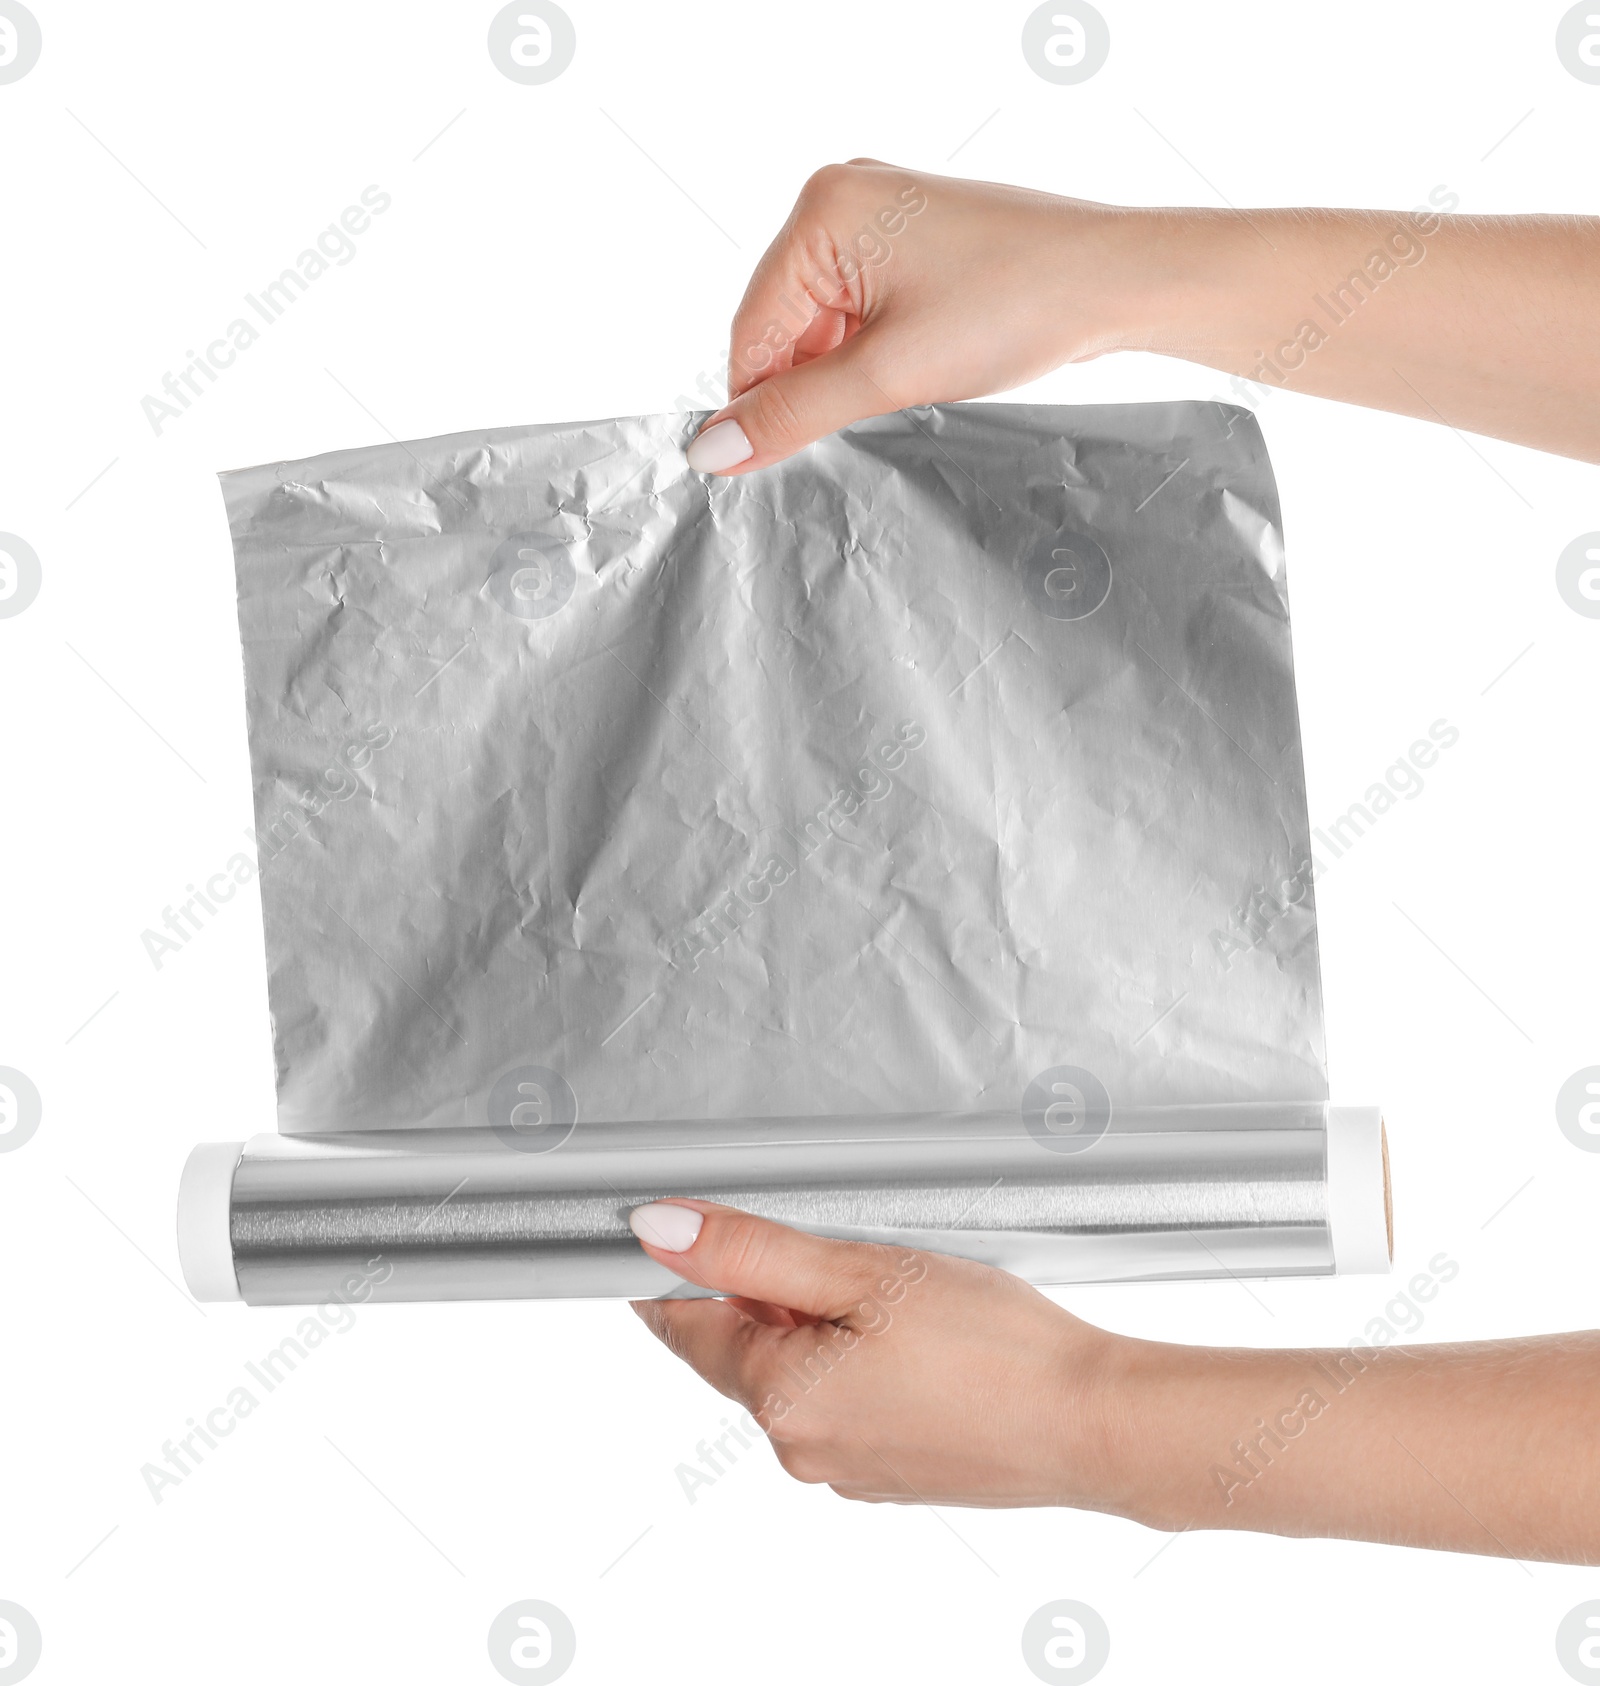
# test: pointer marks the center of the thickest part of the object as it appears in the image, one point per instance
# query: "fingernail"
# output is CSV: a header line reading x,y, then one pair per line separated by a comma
x,y
671,1228
719,447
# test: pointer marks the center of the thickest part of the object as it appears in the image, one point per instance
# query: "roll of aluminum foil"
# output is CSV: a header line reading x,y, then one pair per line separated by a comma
x,y
811,836
1157,1193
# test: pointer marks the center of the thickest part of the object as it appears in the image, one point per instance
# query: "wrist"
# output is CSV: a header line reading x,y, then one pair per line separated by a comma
x,y
1147,1418
1171,281
1130,1438
1101,1423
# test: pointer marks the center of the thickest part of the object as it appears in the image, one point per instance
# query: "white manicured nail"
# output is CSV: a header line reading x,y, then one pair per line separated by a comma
x,y
719,447
671,1228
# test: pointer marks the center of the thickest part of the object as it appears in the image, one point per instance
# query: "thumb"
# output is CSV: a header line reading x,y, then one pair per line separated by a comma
x,y
731,1252
791,409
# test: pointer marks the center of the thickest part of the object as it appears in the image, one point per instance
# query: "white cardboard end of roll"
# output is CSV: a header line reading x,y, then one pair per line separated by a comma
x,y
1358,1192
205,1244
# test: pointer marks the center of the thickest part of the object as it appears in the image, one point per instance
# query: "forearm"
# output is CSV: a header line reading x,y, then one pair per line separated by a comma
x,y
1489,1447
1484,323
886,288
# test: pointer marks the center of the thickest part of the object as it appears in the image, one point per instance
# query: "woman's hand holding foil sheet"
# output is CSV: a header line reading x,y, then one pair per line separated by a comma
x,y
888,288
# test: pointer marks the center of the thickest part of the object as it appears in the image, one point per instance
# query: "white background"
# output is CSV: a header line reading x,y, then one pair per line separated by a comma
x,y
537,264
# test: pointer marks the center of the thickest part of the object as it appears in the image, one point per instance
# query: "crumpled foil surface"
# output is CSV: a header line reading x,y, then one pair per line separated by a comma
x,y
957,751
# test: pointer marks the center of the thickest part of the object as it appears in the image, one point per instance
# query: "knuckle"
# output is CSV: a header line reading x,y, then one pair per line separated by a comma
x,y
662,1322
808,1464
857,1267
742,1244
800,1433
847,1286
776,420
790,1433
829,181
675,1338
752,1363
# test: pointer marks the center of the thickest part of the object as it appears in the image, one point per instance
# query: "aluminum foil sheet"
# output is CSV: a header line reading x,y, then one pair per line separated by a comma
x,y
949,770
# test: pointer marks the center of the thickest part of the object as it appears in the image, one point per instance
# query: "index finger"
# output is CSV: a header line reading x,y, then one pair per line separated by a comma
x,y
814,285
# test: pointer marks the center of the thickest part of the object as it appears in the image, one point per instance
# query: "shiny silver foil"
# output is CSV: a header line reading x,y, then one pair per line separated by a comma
x,y
1166,1192
950,769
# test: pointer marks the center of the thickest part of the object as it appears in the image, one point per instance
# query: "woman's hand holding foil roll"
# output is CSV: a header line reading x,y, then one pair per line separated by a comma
x,y
915,1378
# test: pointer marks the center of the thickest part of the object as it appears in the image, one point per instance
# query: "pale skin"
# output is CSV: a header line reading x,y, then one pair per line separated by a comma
x,y
914,1378
893,288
